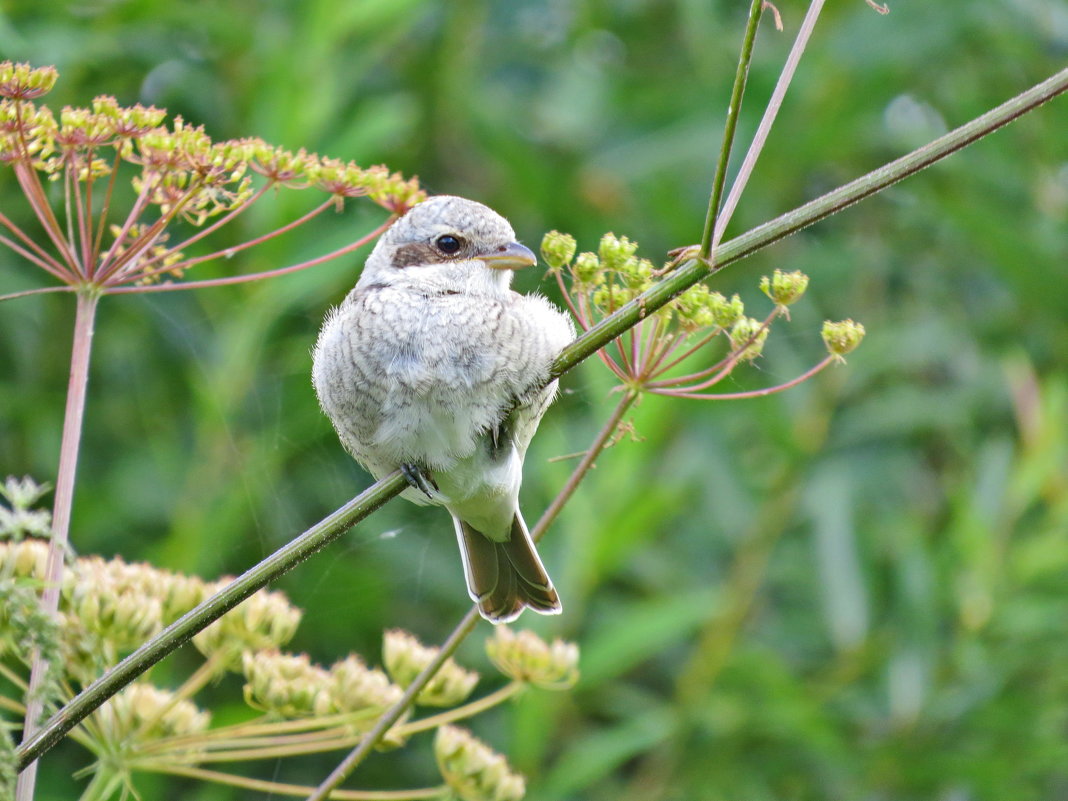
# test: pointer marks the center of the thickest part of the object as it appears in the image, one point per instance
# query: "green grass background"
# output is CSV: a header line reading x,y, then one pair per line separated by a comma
x,y
854,590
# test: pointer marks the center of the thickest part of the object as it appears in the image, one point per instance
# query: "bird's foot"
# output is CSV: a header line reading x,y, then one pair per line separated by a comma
x,y
418,478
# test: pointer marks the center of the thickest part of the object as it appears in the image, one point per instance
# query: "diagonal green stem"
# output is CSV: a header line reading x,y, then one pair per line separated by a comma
x,y
815,210
584,346
467,624
318,536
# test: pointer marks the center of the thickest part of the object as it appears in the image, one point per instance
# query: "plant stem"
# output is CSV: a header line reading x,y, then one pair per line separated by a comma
x,y
467,625
278,788
815,210
393,714
467,710
766,121
754,393
756,9
240,279
584,346
81,348
600,442
315,538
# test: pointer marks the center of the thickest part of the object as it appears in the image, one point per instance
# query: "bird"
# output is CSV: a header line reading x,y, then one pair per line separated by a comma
x,y
433,365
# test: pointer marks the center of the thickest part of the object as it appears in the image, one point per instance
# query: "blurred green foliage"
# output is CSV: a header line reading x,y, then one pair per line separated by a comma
x,y
852,590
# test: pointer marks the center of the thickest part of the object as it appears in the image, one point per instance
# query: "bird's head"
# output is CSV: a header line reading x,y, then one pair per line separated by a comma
x,y
447,243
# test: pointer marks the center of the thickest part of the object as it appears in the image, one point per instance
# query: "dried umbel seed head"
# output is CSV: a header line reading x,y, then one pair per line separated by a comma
x,y
528,658
405,657
473,770
263,621
286,685
142,713
842,337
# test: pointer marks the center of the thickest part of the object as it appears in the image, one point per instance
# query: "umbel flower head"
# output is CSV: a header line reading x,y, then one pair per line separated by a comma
x,y
263,621
405,657
181,177
142,713
286,685
473,770
651,356
527,658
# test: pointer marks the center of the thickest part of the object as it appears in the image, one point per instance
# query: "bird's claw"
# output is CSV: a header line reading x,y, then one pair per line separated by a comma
x,y
418,478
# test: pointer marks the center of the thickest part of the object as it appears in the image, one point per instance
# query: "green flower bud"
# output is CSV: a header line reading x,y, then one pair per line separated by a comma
x,y
611,296
263,621
694,308
528,658
558,249
616,251
842,337
748,337
473,770
637,274
725,312
286,685
784,288
142,714
405,657
587,269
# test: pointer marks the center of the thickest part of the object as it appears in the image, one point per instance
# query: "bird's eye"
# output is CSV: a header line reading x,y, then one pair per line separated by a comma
x,y
448,244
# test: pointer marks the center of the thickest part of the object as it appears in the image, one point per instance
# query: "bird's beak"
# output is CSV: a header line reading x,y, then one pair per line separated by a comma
x,y
512,256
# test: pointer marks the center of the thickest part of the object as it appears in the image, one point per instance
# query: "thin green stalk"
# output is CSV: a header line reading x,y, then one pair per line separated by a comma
x,y
468,710
84,318
808,24
393,714
745,57
279,788
584,346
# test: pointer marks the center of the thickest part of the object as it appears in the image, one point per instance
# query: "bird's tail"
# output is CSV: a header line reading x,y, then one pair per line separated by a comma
x,y
504,577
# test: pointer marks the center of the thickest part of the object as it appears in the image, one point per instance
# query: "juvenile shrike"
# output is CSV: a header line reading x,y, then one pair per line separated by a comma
x,y
433,365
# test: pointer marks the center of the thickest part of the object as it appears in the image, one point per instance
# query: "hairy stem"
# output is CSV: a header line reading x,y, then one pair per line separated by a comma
x,y
68,461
